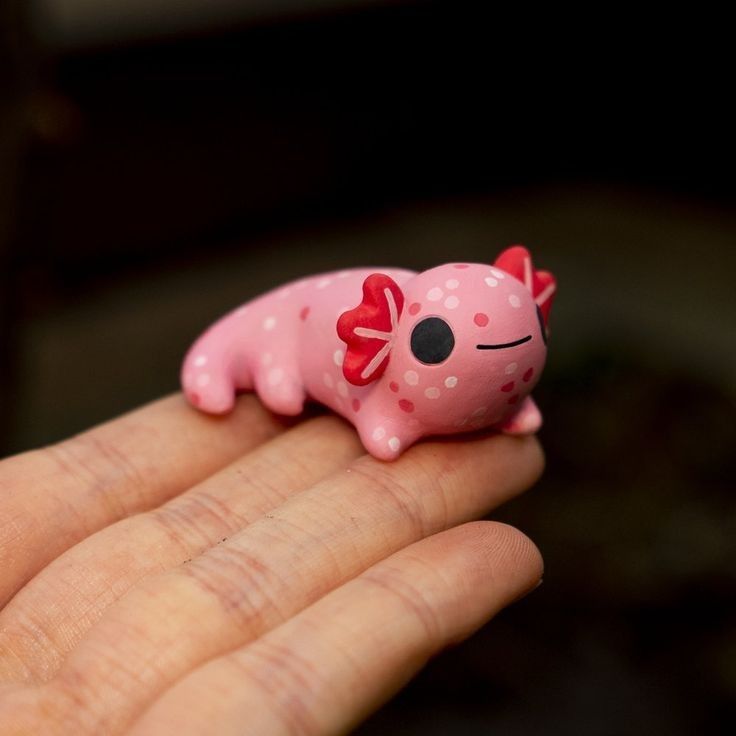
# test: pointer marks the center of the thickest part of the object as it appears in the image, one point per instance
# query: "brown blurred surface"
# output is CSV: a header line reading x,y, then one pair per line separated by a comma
x,y
147,189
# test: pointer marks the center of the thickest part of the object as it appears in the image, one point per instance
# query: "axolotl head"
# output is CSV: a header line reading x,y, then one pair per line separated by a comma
x,y
458,347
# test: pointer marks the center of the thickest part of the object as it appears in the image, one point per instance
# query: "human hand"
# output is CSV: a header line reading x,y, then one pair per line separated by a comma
x,y
171,572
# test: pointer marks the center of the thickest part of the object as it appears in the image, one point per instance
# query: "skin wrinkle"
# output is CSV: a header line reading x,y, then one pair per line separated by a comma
x,y
232,577
32,627
189,522
125,471
80,458
285,676
72,690
445,482
327,507
384,484
68,457
412,600
72,694
310,540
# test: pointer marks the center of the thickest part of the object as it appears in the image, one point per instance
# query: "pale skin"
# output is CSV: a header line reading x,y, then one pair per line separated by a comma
x,y
172,572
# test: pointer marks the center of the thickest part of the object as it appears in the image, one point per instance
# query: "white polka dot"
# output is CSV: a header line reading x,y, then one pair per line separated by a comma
x,y
275,375
300,284
434,295
327,378
323,283
394,443
461,422
491,281
514,301
451,381
480,411
338,357
269,323
343,274
200,360
379,433
411,377
451,302
498,274
284,293
452,284
203,380
342,388
267,358
432,392
510,368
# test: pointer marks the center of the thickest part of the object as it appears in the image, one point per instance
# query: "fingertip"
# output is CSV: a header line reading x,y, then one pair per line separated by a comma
x,y
504,548
519,553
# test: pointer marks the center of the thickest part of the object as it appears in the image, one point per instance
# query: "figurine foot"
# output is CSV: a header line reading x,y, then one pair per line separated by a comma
x,y
208,383
527,420
280,392
384,438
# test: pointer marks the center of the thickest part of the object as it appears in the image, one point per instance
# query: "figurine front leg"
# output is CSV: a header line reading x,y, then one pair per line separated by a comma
x,y
385,438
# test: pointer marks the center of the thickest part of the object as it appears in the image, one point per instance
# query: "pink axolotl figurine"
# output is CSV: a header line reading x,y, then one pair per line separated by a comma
x,y
452,349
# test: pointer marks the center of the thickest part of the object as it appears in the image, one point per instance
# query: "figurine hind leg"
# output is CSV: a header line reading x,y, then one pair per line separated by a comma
x,y
212,373
235,355
279,384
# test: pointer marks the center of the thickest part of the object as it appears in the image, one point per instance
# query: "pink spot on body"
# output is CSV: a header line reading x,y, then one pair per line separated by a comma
x,y
356,404
514,399
528,374
481,319
304,313
508,386
414,308
406,405
194,398
394,386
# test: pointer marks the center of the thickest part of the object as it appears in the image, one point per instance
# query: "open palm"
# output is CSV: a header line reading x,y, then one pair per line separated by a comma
x,y
170,572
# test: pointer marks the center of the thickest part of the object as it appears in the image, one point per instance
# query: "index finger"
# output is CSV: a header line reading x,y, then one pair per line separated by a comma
x,y
53,497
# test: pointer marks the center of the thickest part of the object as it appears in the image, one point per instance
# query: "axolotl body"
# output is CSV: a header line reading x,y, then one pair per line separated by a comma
x,y
399,354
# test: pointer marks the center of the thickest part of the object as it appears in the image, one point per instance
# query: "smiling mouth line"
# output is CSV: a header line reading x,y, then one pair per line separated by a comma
x,y
505,344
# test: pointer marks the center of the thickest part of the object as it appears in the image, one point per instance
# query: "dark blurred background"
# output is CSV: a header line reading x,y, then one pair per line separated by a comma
x,y
164,160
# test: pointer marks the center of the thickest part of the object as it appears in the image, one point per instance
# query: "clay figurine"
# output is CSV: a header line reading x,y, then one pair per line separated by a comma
x,y
453,349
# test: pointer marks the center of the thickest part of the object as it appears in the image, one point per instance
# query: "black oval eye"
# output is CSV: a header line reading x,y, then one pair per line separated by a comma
x,y
542,326
432,340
